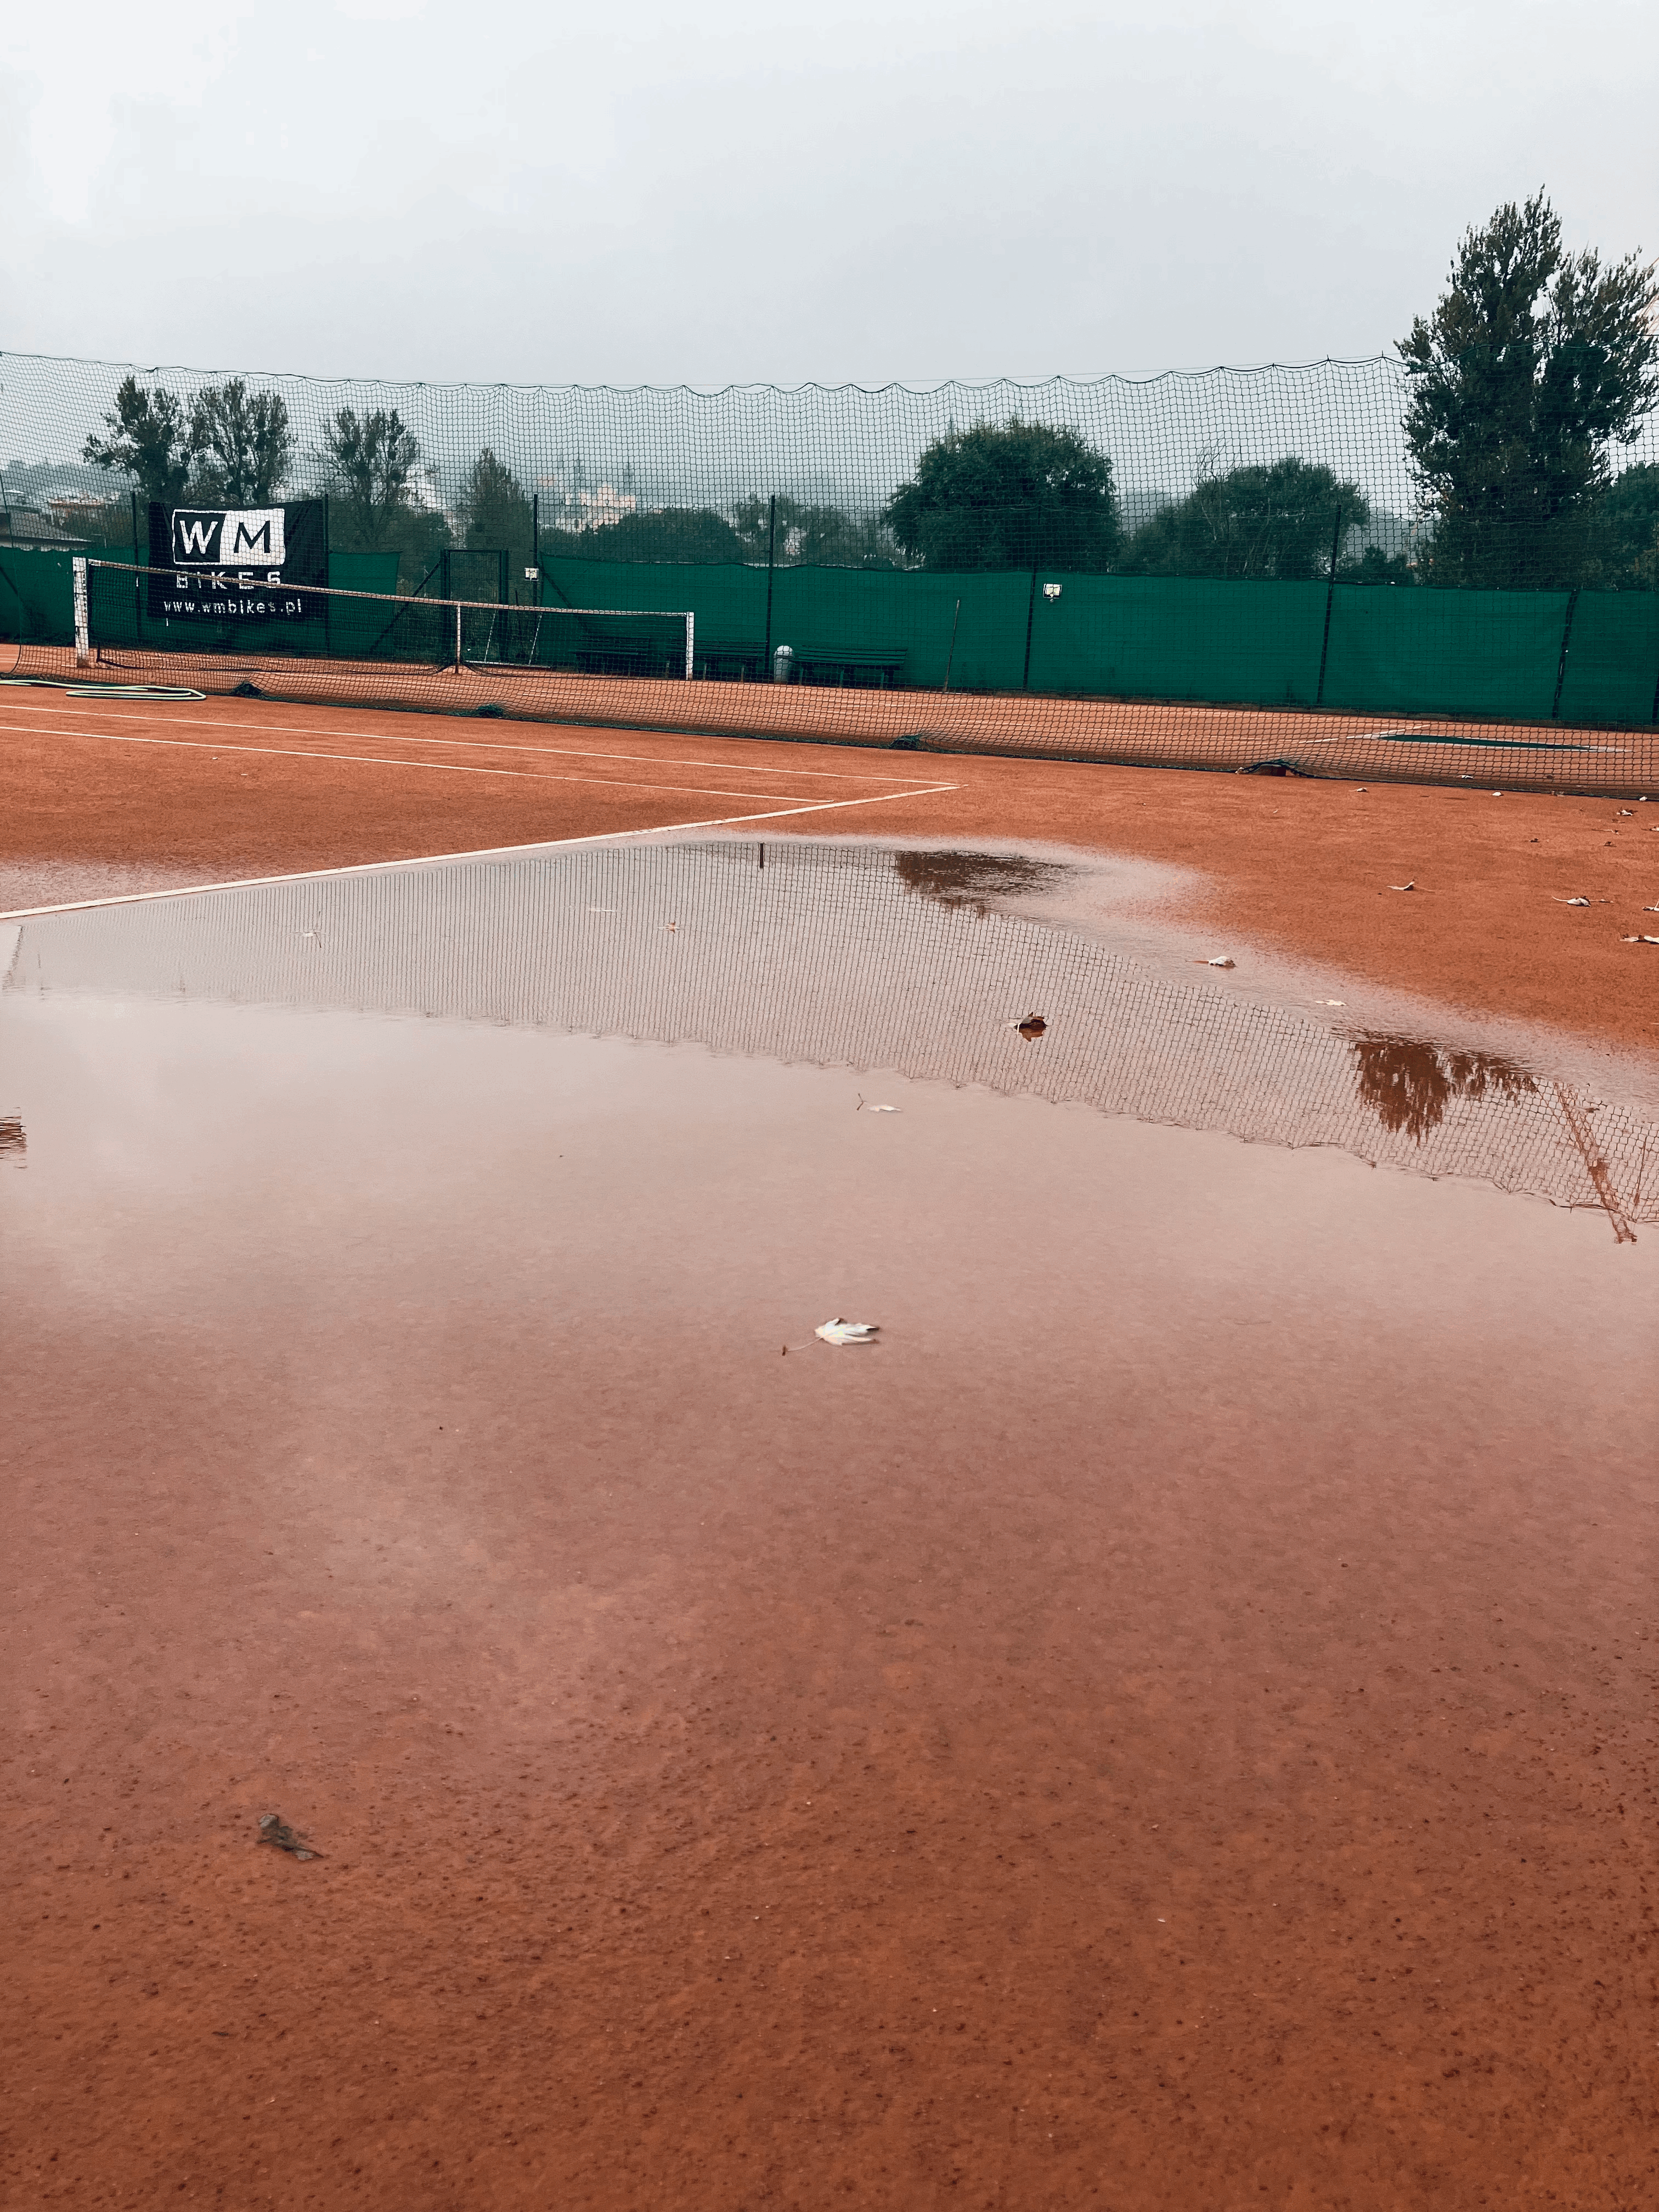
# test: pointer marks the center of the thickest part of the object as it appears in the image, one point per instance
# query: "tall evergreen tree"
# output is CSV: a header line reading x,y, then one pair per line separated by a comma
x,y
497,506
1534,363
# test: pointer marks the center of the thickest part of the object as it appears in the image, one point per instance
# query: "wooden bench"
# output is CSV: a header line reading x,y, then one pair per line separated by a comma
x,y
730,659
866,667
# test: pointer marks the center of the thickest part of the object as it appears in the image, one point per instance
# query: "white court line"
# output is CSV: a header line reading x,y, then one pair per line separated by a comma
x,y
488,853
475,745
427,768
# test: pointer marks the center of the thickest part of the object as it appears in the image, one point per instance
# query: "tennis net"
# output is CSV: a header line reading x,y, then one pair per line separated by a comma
x,y
650,670
219,621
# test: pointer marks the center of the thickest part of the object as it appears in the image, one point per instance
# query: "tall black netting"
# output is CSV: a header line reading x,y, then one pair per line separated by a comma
x,y
1194,568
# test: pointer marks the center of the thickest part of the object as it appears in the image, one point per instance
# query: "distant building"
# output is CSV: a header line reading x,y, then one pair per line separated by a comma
x,y
26,532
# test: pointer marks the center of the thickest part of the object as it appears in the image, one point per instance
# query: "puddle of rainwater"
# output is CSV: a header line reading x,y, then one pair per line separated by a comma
x,y
582,1148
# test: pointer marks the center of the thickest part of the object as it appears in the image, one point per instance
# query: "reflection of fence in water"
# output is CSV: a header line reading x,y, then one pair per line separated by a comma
x,y
851,955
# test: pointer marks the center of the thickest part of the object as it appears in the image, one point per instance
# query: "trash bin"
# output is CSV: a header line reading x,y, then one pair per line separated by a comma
x,y
783,665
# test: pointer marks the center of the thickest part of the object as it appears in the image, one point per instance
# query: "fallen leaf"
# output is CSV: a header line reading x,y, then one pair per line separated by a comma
x,y
1573,901
1031,1028
1220,960
1639,940
847,1332
1411,886
275,1830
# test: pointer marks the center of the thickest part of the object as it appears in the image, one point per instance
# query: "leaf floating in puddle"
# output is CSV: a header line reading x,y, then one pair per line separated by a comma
x,y
1031,1028
275,1830
847,1332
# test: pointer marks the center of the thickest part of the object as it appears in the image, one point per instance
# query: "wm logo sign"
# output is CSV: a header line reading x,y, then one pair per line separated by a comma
x,y
218,536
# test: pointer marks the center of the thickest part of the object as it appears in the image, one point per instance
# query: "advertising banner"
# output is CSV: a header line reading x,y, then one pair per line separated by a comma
x,y
242,565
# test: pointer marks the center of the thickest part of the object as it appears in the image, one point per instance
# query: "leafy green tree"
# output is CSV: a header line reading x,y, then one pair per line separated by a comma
x,y
1534,363
1374,566
241,443
228,447
1009,495
370,461
816,536
1275,521
692,534
149,439
497,507
1627,531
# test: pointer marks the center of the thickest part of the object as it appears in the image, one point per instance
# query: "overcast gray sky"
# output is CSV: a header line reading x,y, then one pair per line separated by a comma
x,y
846,191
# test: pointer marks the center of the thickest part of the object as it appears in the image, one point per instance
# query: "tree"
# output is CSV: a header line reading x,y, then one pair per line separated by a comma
x,y
497,509
1374,566
370,461
1534,364
149,440
1627,531
1276,521
821,537
226,448
242,445
1010,495
690,534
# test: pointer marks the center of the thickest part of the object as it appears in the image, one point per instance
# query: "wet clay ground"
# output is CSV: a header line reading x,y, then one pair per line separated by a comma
x,y
1171,1726
233,788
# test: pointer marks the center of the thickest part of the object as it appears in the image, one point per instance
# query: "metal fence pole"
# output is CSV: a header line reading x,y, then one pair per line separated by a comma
x,y
951,656
1561,665
771,562
1330,597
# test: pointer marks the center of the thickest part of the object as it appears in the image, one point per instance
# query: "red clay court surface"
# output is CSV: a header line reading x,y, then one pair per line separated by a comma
x,y
100,798
1172,1728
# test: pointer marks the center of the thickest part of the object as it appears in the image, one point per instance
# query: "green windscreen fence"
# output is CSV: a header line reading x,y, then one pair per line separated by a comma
x,y
1235,569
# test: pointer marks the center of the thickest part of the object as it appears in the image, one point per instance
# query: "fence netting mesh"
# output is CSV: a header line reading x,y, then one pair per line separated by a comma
x,y
1240,568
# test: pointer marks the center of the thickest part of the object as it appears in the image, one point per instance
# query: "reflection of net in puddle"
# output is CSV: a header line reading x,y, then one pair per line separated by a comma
x,y
850,955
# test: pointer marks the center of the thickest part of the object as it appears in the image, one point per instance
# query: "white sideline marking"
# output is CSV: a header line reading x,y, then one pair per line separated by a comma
x,y
474,745
487,852
430,768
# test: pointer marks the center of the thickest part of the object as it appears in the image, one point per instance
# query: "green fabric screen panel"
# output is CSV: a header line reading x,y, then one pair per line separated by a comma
x,y
1400,650
363,572
37,598
911,613
1178,638
1612,658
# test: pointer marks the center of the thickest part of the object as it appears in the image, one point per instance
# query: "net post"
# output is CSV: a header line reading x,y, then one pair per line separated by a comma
x,y
691,645
82,619
458,637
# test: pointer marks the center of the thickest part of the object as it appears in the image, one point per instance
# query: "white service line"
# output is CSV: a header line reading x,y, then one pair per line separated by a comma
x,y
474,745
425,767
488,853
